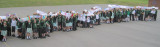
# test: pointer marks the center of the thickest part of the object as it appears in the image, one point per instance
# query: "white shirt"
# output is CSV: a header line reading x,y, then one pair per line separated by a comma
x,y
80,17
153,11
68,15
83,17
133,12
13,23
88,19
97,16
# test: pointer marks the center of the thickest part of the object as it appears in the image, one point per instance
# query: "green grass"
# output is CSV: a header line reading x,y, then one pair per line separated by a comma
x,y
24,3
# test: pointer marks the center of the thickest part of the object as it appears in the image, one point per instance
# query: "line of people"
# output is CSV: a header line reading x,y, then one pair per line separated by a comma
x,y
37,27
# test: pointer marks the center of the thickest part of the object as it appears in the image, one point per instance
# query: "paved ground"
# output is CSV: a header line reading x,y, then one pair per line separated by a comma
x,y
130,34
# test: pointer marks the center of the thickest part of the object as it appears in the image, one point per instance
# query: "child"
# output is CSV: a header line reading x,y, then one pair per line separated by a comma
x,y
63,22
54,23
35,32
29,30
23,30
137,14
97,18
75,22
67,24
108,15
83,19
88,21
112,16
4,31
70,23
154,14
128,15
43,27
59,21
133,14
13,24
9,26
91,20
47,28
19,24
141,14
120,15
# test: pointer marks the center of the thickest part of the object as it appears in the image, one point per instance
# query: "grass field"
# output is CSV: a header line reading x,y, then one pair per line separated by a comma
x,y
24,3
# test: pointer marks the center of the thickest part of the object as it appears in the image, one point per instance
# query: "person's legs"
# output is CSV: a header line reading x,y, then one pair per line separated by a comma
x,y
13,31
20,33
23,33
155,17
40,32
59,25
142,17
9,31
35,33
29,31
99,21
44,33
74,26
112,20
4,33
47,32
133,17
83,25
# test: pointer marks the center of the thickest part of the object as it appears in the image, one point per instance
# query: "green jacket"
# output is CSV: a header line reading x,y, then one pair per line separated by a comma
x,y
147,12
23,25
59,18
29,25
128,12
34,26
75,19
117,13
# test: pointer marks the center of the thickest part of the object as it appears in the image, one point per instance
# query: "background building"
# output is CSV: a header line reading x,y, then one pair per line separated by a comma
x,y
155,3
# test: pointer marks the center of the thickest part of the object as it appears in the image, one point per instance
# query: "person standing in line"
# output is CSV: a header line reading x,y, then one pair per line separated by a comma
x,y
13,25
4,31
133,14
29,30
75,22
154,14
9,26
35,32
24,29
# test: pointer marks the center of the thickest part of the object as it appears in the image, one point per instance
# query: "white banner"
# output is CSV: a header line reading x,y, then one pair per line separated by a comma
x,y
3,17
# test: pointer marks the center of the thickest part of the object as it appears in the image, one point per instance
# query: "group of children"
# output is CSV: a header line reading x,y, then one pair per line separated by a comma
x,y
37,27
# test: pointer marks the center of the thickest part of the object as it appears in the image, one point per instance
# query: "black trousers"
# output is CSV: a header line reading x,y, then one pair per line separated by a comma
x,y
132,17
13,28
88,24
23,33
141,17
9,31
83,24
115,19
98,20
154,16
40,32
1,37
51,30
74,26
